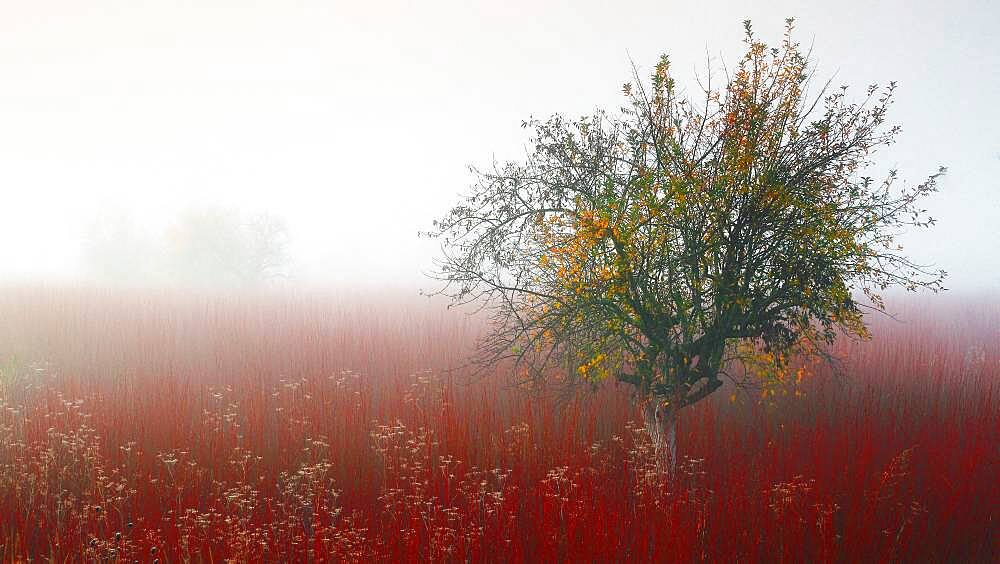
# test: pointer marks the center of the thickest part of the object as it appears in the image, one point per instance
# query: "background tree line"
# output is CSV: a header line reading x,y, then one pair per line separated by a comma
x,y
200,248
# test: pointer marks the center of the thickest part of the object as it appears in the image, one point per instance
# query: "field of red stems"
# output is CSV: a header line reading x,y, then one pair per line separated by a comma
x,y
154,426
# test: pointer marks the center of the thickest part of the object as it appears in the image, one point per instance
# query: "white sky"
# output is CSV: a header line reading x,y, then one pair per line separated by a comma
x,y
355,121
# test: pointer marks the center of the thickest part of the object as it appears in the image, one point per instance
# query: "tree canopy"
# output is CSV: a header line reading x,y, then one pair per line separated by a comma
x,y
201,248
217,248
689,235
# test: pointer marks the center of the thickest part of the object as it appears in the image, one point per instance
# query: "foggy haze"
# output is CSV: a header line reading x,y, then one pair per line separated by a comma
x,y
354,123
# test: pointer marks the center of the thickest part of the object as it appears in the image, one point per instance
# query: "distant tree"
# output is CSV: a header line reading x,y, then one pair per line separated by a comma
x,y
686,241
217,248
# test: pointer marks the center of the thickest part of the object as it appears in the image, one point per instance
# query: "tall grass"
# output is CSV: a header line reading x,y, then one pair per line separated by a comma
x,y
310,428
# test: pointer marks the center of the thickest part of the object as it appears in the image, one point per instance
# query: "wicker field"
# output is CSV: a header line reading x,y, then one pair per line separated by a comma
x,y
306,427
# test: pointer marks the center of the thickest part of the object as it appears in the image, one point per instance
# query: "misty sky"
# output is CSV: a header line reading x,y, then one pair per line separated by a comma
x,y
355,121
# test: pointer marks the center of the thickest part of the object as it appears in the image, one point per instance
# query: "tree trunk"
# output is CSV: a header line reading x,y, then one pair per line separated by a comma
x,y
661,424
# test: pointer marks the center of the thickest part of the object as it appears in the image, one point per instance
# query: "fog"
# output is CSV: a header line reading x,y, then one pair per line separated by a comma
x,y
348,126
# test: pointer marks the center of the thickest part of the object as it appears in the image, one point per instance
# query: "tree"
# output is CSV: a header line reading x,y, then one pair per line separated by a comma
x,y
202,248
217,248
685,241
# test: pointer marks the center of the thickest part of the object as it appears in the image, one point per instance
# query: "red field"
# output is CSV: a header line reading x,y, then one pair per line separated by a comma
x,y
306,428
